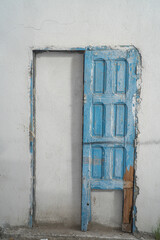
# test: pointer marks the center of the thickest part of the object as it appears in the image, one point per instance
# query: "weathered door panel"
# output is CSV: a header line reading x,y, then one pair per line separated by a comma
x,y
109,127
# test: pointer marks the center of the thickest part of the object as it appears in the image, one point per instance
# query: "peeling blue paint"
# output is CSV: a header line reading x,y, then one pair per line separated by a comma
x,y
31,129
109,120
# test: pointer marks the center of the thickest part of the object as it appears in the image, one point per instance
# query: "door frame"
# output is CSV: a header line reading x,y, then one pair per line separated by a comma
x,y
32,125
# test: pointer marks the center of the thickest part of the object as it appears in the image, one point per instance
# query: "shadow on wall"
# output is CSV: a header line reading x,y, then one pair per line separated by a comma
x,y
76,130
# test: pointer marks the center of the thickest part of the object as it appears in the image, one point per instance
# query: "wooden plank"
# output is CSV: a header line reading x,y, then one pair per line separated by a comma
x,y
128,201
127,210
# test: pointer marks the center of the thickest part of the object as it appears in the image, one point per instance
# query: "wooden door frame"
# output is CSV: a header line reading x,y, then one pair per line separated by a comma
x,y
32,125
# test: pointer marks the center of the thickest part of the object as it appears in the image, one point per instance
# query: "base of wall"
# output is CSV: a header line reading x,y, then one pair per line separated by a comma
x,y
57,231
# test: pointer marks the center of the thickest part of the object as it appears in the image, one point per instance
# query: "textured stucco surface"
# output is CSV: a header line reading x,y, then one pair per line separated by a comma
x,y
72,23
59,94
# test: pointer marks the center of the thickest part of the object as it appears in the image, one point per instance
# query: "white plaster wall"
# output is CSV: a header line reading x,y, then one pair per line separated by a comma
x,y
59,94
71,23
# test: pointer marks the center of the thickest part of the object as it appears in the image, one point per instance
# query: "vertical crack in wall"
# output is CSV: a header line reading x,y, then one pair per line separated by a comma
x,y
32,139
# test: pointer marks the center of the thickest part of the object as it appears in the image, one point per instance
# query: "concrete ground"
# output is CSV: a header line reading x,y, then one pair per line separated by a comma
x,y
60,232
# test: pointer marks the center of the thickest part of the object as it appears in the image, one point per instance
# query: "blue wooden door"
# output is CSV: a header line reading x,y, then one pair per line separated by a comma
x,y
109,127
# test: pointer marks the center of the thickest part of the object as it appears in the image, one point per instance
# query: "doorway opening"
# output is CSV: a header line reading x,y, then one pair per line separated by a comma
x,y
56,143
